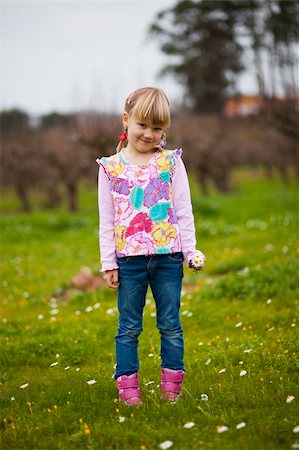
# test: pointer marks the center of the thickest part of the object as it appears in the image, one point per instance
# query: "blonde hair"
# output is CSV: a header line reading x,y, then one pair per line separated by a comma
x,y
147,103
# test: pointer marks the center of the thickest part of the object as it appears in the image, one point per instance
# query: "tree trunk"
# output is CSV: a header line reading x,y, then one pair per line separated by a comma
x,y
53,198
22,194
72,196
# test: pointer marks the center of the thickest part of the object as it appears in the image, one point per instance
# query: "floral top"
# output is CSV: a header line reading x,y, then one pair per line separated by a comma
x,y
145,220
144,209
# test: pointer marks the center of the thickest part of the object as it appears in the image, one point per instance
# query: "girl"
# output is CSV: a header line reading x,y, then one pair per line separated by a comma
x,y
146,232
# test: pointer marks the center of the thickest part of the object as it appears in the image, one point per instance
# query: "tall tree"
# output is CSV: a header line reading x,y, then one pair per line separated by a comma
x,y
250,25
282,24
202,37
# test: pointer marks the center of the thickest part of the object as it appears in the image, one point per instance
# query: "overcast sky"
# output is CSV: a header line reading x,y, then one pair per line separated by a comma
x,y
74,55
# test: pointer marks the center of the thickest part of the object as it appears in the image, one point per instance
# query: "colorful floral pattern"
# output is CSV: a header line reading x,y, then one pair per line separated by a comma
x,y
145,219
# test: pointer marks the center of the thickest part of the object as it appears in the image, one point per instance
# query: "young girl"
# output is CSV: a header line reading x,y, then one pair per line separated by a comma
x,y
146,232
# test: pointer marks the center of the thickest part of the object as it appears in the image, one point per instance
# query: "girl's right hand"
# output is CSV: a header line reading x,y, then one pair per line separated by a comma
x,y
111,278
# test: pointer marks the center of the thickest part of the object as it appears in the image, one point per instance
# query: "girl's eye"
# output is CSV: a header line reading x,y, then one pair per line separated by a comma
x,y
142,125
158,129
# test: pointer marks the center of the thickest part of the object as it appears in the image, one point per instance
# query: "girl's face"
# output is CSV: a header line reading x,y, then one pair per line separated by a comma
x,y
143,136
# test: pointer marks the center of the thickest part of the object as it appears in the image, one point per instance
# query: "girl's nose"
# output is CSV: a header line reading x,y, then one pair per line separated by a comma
x,y
148,133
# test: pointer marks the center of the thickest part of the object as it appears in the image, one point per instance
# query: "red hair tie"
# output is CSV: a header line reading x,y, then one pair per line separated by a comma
x,y
123,136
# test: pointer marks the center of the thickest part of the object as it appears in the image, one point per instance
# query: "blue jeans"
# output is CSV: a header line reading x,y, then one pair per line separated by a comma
x,y
164,274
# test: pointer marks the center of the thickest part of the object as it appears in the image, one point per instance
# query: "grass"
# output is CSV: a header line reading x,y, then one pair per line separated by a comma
x,y
240,314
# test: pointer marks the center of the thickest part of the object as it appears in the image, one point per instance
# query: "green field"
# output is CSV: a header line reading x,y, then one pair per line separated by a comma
x,y
240,319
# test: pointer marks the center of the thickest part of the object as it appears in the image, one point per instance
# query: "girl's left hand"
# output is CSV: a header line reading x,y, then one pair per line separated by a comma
x,y
197,260
111,278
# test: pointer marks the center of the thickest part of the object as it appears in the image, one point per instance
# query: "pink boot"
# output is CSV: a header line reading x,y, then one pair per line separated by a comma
x,y
128,388
171,384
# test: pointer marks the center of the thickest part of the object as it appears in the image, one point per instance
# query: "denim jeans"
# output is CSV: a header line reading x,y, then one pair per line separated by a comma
x,y
164,274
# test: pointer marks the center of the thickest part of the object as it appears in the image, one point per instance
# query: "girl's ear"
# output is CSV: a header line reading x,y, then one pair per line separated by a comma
x,y
125,118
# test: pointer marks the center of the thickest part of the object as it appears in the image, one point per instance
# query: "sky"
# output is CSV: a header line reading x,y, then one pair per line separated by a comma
x,y
71,55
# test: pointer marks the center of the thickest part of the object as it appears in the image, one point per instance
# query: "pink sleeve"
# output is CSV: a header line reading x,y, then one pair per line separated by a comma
x,y
106,228
183,208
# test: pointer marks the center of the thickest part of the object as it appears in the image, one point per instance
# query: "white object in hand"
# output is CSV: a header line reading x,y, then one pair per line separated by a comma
x,y
197,260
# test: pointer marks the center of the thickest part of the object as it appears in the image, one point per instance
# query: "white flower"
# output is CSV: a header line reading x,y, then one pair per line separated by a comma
x,y
221,428
239,324
296,429
54,364
149,382
249,350
222,371
208,361
78,368
67,368
189,425
89,309
200,343
40,317
23,386
54,311
204,397
91,382
197,260
96,305
110,311
268,247
290,398
78,312
269,301
240,425
166,444
57,355
242,373
153,314
241,362
53,302
12,399
295,445
150,355
121,419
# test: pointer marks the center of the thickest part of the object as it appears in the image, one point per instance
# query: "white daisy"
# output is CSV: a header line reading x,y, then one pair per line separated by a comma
x,y
166,444
221,428
54,364
189,425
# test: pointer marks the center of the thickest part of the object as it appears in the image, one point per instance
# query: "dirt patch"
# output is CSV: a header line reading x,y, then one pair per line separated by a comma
x,y
83,281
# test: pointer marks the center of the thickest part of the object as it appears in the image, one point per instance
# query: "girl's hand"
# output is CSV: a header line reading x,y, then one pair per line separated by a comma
x,y
111,278
197,260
